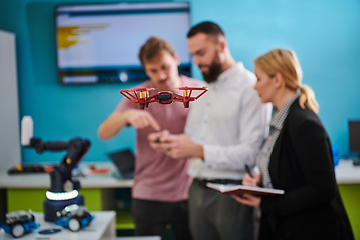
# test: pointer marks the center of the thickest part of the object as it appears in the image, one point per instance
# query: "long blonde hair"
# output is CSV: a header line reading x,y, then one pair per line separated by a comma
x,y
285,62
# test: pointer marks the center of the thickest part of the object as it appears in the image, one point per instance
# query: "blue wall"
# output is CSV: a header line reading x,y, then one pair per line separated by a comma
x,y
324,33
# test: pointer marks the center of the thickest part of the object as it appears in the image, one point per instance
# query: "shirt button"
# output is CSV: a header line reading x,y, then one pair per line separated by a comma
x,y
205,121
208,104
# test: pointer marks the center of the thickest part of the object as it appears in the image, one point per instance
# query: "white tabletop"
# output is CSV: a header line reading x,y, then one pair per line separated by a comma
x,y
42,180
103,226
347,173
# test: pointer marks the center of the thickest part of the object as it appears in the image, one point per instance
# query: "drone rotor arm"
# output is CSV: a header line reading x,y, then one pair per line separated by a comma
x,y
205,90
152,98
177,98
130,96
186,88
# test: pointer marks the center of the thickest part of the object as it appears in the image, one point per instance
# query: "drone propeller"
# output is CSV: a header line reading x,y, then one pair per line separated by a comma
x,y
188,90
192,88
137,90
141,98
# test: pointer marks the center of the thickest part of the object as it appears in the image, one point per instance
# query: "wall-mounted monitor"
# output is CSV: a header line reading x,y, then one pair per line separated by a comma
x,y
100,43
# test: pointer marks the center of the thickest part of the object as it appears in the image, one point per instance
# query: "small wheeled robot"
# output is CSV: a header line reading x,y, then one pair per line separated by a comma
x,y
73,217
18,223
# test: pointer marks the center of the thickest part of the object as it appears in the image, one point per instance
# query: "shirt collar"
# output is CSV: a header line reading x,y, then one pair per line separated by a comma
x,y
279,116
228,73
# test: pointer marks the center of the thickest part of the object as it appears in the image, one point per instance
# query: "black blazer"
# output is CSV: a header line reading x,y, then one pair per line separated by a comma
x,y
301,164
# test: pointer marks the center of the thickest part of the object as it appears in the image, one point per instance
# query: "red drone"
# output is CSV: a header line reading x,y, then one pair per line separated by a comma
x,y
163,97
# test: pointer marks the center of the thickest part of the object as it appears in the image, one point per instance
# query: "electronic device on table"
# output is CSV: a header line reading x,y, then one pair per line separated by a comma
x,y
18,223
354,140
124,161
63,189
27,168
73,217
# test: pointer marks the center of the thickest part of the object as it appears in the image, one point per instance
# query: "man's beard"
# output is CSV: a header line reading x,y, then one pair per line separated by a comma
x,y
213,73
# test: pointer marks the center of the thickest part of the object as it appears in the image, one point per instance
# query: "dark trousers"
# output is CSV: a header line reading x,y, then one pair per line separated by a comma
x,y
216,216
151,218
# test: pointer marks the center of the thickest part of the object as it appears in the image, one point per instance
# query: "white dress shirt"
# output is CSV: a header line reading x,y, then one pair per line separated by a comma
x,y
231,123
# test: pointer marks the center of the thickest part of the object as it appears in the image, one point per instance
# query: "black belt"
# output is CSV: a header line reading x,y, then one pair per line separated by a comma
x,y
220,181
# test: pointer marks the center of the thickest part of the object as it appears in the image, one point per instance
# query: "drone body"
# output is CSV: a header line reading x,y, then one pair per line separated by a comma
x,y
141,96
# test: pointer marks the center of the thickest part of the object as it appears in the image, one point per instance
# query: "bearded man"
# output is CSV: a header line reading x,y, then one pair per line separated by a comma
x,y
224,131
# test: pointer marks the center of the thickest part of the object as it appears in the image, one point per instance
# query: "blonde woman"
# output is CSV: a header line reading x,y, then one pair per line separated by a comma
x,y
295,157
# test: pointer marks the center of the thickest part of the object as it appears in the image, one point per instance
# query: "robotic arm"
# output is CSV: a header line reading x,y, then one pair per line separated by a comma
x,y
61,180
63,189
